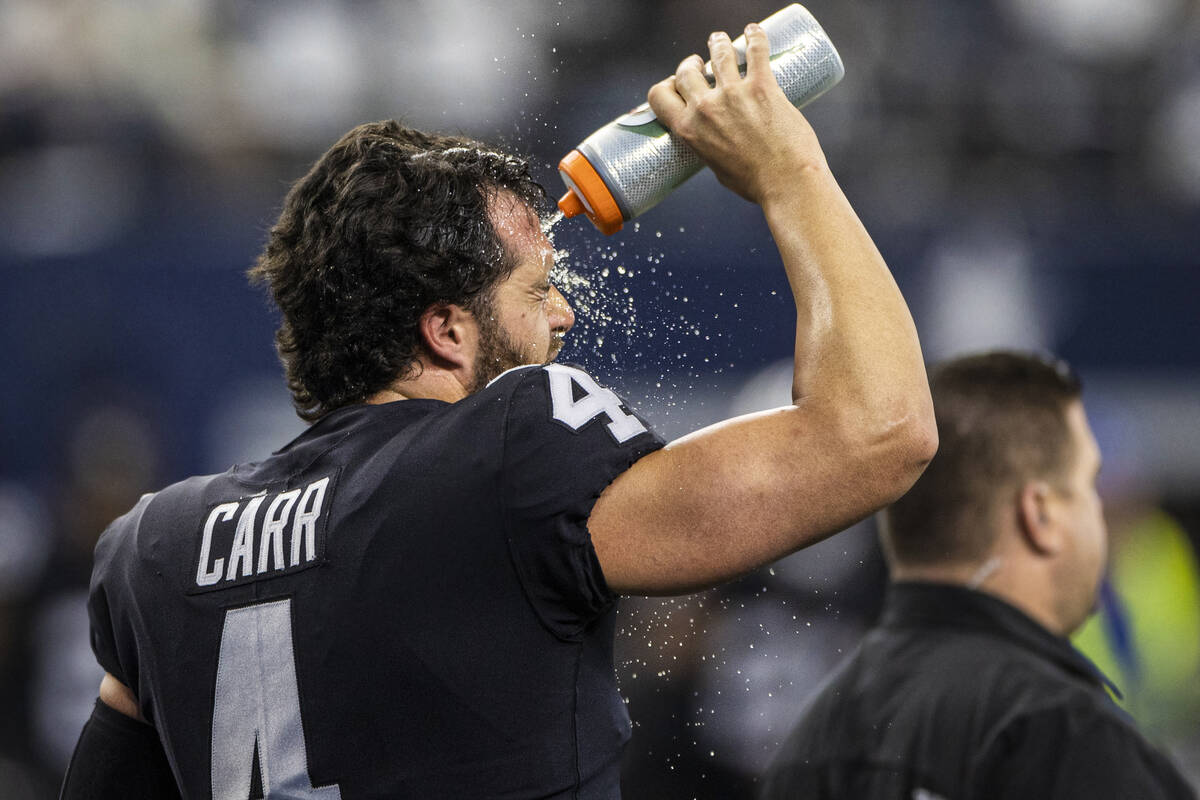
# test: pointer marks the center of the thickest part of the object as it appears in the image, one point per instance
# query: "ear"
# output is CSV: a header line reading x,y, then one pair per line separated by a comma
x,y
447,331
1035,519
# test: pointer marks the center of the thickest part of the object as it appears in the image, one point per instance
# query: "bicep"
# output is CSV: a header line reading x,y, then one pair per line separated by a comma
x,y
731,497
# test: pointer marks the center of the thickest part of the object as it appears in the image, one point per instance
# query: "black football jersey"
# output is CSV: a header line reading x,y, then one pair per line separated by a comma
x,y
403,602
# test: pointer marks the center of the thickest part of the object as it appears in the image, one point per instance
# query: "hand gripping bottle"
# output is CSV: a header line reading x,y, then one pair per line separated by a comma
x,y
633,162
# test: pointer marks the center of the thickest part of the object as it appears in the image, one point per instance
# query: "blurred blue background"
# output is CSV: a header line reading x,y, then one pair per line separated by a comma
x,y
1030,170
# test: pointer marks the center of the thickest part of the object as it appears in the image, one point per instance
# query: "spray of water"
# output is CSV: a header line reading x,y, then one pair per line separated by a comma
x,y
603,303
639,320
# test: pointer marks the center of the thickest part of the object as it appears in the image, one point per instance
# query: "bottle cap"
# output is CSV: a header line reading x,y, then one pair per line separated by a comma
x,y
587,194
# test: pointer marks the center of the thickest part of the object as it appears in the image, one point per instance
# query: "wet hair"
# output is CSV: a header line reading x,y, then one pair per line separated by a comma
x,y
1002,421
388,222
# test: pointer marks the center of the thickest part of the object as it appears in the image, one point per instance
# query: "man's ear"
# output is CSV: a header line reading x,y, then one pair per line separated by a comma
x,y
447,331
1035,519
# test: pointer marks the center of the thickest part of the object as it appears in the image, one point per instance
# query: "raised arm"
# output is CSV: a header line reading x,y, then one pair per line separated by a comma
x,y
860,430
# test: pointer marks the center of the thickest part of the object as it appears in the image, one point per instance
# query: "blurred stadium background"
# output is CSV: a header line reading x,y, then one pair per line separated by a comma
x,y
1031,171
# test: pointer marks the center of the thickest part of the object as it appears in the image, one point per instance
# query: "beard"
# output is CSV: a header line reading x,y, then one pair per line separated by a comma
x,y
497,352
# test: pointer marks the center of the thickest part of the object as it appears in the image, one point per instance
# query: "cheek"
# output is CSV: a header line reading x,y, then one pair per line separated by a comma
x,y
539,324
1099,530
534,331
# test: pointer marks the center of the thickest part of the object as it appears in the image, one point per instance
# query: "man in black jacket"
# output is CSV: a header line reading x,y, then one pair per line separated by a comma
x,y
968,687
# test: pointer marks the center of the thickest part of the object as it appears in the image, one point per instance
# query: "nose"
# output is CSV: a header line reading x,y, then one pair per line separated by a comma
x,y
561,317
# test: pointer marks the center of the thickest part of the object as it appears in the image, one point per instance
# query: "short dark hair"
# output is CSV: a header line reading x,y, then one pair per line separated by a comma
x,y
388,222
1002,421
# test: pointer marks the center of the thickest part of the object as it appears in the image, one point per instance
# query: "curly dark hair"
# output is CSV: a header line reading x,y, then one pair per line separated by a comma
x,y
388,222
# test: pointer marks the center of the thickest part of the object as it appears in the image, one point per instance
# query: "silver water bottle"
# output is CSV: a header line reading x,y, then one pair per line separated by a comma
x,y
628,166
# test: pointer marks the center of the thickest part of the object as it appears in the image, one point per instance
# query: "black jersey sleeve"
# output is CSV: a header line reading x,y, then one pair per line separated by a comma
x,y
118,758
566,438
110,595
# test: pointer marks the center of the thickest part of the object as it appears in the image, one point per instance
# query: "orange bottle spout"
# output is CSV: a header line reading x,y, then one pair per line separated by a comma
x,y
587,194
570,205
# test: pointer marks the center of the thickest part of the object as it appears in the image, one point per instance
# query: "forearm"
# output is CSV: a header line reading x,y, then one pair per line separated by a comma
x,y
738,494
856,346
857,353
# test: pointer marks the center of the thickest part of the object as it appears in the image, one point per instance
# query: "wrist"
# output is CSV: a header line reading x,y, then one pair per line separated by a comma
x,y
786,188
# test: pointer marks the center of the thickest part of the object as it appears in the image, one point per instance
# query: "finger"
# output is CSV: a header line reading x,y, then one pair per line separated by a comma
x,y
689,78
665,101
724,59
758,51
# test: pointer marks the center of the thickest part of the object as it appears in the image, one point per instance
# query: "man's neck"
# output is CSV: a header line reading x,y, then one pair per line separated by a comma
x,y
430,383
1019,585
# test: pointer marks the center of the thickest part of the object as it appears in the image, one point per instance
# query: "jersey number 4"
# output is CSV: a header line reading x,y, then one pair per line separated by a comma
x,y
256,710
596,400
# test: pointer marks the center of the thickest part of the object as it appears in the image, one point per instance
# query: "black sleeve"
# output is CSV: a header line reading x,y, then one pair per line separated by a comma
x,y
110,595
118,758
1077,753
566,438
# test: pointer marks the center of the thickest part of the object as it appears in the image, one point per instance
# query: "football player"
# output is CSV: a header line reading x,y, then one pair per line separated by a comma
x,y
416,597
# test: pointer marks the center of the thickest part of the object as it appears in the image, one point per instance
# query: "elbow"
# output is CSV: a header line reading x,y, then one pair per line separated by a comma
x,y
896,449
911,445
920,446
